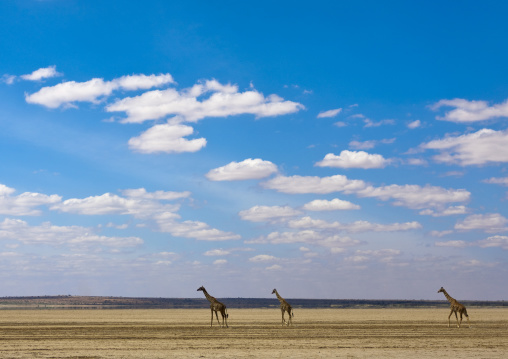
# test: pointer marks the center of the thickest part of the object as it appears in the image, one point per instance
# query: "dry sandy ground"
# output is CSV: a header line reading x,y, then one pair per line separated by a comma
x,y
252,333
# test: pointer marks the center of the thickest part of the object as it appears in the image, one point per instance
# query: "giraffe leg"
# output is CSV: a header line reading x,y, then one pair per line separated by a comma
x,y
449,318
457,319
290,322
211,320
217,316
283,320
460,319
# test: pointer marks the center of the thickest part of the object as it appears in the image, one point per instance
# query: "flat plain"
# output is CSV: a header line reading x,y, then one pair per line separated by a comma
x,y
252,333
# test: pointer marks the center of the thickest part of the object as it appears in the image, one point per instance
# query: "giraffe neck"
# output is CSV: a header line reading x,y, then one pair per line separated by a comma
x,y
279,297
450,299
208,296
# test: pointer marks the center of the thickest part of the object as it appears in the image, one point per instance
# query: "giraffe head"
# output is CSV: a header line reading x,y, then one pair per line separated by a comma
x,y
441,290
274,291
201,288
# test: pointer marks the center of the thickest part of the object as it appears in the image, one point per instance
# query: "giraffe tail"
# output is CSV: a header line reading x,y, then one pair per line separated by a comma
x,y
227,315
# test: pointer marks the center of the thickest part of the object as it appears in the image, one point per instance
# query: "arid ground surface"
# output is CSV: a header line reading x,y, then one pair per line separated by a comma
x,y
252,333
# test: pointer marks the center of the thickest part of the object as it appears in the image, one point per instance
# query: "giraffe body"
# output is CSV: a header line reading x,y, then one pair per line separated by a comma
x,y
216,306
284,307
455,307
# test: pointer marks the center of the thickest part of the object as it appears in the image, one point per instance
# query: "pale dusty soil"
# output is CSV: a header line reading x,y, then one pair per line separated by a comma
x,y
252,333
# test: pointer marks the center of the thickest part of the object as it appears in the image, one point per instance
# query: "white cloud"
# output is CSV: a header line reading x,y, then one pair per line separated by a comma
x,y
308,237
333,205
141,193
329,113
8,79
268,213
143,82
481,147
414,124
225,100
455,244
416,197
491,222
112,204
495,241
274,267
497,180
67,93
416,162
24,204
471,111
167,138
490,242
411,196
49,234
369,123
220,262
357,226
440,233
194,229
247,169
364,145
353,159
450,211
217,252
262,258
313,184
367,145
42,73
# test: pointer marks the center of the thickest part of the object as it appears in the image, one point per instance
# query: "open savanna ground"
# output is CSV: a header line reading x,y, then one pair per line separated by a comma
x,y
252,333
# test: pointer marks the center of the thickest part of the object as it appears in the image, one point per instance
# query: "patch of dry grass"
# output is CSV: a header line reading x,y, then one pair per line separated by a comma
x,y
253,333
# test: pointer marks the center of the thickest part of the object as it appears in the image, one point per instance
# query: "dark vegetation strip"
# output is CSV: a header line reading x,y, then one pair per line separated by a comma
x,y
78,302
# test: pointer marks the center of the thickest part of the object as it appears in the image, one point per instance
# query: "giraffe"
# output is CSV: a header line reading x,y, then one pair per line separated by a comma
x,y
284,307
216,306
455,307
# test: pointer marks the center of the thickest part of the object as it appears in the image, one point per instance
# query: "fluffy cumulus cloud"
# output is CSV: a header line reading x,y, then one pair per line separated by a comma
x,y
450,211
208,99
415,196
471,111
24,204
490,222
353,159
247,169
268,213
309,237
314,184
411,196
194,229
46,233
329,113
108,203
490,242
166,138
354,227
42,73
478,148
70,92
494,241
332,205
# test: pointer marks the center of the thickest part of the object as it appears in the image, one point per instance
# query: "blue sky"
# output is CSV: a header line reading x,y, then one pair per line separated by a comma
x,y
327,149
